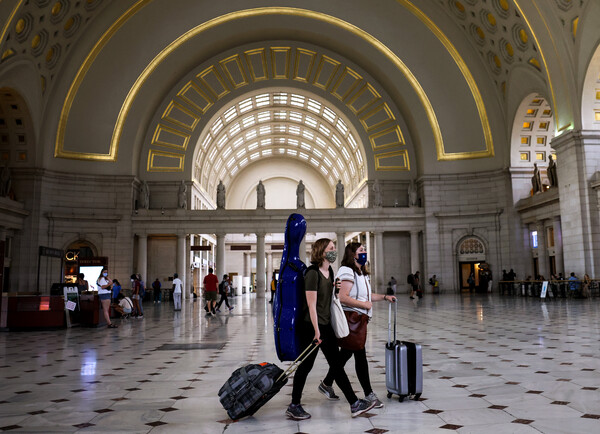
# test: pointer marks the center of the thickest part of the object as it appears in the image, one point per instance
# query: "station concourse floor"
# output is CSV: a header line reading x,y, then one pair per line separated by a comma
x,y
491,365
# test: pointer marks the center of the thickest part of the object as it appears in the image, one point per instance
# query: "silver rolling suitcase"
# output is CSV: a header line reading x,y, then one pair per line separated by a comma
x,y
396,369
403,365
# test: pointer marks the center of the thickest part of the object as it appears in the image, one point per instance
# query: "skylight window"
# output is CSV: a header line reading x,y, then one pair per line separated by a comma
x,y
249,121
243,162
324,130
292,152
310,121
251,134
230,162
263,100
297,100
314,161
320,142
314,106
240,153
341,126
303,155
255,156
265,142
216,127
293,129
264,130
264,116
267,152
337,141
206,141
308,134
318,153
235,129
280,98
226,153
234,170
245,105
253,146
222,141
324,170
329,114
296,116
238,142
230,114
306,146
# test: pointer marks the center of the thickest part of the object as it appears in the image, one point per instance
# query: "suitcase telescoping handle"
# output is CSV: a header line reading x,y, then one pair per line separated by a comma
x,y
296,363
390,322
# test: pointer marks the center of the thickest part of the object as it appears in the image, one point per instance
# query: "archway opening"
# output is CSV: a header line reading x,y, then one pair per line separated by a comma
x,y
282,137
533,130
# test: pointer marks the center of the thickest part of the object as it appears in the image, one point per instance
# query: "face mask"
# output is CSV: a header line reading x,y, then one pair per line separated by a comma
x,y
362,258
331,255
105,274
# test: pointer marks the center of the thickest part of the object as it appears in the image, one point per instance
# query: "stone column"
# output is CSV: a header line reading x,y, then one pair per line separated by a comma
x,y
269,269
414,251
142,265
542,248
577,151
181,259
220,260
558,247
260,265
341,246
247,271
379,263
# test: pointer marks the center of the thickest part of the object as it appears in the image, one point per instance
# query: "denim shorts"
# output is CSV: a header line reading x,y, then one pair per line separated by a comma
x,y
104,296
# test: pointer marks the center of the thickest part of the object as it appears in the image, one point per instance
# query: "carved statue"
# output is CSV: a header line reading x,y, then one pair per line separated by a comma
x,y
339,194
5,181
145,195
377,202
260,195
220,195
300,195
551,172
536,180
413,197
182,196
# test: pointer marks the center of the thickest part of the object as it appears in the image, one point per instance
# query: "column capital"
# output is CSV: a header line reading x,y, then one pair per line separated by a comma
x,y
260,234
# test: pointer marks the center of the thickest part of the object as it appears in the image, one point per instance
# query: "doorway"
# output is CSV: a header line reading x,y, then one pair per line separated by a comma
x,y
466,268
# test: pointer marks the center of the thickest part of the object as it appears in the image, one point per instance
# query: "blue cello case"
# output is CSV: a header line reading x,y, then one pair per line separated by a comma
x,y
289,297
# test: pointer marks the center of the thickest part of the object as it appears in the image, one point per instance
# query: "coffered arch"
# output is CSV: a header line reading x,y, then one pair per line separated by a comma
x,y
288,124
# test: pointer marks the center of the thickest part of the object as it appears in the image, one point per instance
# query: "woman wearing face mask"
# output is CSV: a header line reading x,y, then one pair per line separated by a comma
x,y
318,286
104,293
355,295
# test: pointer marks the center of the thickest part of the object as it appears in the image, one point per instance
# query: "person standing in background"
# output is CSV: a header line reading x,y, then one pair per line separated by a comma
x,y
177,285
116,289
104,292
156,287
210,291
273,287
135,296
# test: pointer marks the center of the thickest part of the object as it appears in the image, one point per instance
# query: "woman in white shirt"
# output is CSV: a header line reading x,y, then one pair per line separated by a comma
x,y
104,293
355,295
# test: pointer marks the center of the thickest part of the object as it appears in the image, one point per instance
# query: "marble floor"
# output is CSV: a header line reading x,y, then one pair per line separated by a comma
x,y
491,365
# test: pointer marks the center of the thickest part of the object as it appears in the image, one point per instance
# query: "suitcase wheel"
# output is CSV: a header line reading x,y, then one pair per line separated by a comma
x,y
389,395
401,398
417,396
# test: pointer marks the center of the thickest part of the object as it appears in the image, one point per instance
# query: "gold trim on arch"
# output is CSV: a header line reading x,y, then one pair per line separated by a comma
x,y
59,150
464,69
132,94
9,20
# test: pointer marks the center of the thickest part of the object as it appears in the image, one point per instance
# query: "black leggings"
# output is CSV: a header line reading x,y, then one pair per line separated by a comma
x,y
360,364
331,353
223,299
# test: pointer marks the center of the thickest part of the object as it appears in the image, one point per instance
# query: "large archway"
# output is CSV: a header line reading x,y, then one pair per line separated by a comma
x,y
313,140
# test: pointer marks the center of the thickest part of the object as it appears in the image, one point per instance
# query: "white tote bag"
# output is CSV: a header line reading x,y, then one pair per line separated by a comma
x,y
338,318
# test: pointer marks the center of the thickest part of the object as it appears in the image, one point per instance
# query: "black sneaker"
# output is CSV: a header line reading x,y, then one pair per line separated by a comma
x,y
361,406
296,412
328,392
